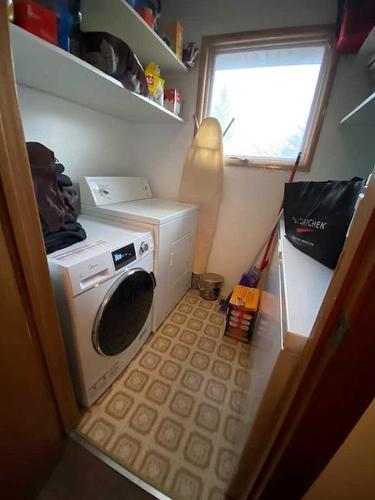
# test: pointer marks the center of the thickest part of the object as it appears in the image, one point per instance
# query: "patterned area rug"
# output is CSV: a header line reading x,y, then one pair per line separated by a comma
x,y
175,416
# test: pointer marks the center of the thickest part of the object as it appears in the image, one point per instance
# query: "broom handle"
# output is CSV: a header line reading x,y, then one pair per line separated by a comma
x,y
266,240
261,248
272,235
228,127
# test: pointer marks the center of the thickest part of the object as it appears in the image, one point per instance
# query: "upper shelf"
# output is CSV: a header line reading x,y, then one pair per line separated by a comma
x,y
364,114
48,68
120,19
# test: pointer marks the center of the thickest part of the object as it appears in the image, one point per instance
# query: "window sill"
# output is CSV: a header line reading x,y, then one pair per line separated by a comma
x,y
232,161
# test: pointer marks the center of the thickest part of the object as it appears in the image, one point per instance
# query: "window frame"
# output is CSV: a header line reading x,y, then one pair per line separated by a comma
x,y
282,38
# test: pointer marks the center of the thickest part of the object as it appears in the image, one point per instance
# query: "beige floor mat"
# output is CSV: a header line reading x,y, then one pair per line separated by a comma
x,y
173,417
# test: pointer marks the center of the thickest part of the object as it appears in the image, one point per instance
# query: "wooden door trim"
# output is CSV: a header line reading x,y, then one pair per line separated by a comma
x,y
19,198
31,426
325,354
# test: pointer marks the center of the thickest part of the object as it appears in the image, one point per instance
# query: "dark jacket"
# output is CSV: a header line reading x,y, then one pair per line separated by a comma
x,y
54,194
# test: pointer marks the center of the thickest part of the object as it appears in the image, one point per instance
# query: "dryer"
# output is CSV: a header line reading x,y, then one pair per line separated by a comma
x,y
173,224
104,288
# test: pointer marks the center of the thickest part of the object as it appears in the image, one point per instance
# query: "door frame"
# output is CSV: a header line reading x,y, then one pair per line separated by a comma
x,y
333,384
354,274
22,213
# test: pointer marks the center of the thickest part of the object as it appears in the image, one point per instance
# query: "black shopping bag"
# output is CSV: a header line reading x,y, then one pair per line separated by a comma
x,y
317,216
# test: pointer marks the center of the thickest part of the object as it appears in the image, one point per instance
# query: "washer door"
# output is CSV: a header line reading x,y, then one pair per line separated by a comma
x,y
123,312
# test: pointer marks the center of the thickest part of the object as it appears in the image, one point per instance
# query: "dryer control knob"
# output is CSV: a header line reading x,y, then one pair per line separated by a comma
x,y
144,247
104,191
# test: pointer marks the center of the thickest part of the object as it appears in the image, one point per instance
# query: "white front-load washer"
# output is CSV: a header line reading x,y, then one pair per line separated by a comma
x,y
173,224
104,288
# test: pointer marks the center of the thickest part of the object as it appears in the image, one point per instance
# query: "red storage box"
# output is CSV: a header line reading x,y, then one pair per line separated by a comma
x,y
356,21
146,14
36,19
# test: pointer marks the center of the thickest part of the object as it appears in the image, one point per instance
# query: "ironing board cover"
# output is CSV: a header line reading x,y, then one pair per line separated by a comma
x,y
202,183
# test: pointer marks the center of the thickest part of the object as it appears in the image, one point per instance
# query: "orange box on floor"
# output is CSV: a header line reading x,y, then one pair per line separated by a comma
x,y
242,311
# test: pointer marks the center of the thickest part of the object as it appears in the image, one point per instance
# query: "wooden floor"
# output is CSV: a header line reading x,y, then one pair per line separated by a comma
x,y
80,475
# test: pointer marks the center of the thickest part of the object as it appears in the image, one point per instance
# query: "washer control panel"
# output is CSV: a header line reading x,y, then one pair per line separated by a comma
x,y
123,256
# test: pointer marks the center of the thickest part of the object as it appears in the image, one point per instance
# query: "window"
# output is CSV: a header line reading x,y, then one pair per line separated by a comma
x,y
275,85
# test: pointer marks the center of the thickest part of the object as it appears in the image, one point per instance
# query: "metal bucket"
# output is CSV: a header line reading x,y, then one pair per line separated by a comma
x,y
210,286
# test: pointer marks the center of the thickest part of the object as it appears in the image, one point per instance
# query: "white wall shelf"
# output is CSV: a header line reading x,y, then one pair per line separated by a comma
x,y
120,19
43,66
302,303
364,114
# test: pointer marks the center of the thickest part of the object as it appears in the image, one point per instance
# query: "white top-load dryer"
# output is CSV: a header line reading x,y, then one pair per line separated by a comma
x,y
104,288
129,200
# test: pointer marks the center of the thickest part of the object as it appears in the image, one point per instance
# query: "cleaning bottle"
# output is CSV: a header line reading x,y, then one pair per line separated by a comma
x,y
75,30
64,23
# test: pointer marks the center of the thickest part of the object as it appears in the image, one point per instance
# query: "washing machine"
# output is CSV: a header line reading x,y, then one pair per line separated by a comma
x,y
173,225
104,289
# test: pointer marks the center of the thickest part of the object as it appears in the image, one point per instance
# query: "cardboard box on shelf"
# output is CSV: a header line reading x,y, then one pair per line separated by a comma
x,y
174,32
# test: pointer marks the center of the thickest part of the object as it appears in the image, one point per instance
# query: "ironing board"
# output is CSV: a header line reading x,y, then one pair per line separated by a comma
x,y
202,184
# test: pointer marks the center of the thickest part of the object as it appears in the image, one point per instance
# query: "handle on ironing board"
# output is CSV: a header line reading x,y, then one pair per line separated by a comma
x,y
225,131
265,259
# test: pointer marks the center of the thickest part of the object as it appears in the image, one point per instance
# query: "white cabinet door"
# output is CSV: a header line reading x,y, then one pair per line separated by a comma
x,y
173,263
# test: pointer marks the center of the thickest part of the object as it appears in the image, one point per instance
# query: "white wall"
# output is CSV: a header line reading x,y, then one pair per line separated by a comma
x,y
251,197
91,143
85,141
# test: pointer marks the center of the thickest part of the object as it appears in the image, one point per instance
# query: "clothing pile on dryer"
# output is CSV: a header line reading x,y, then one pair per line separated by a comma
x,y
56,197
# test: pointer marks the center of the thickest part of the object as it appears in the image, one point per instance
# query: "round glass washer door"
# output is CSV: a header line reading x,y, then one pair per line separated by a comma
x,y
123,312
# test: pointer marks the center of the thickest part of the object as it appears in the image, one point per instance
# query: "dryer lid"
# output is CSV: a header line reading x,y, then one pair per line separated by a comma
x,y
152,211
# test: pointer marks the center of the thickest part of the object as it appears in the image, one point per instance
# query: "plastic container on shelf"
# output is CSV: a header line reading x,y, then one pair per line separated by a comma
x,y
36,19
155,83
172,101
64,23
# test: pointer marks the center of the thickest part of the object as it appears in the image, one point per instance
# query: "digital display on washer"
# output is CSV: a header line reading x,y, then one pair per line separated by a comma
x,y
123,256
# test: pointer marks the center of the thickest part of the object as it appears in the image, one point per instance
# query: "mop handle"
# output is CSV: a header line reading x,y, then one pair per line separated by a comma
x,y
266,239
272,235
228,127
